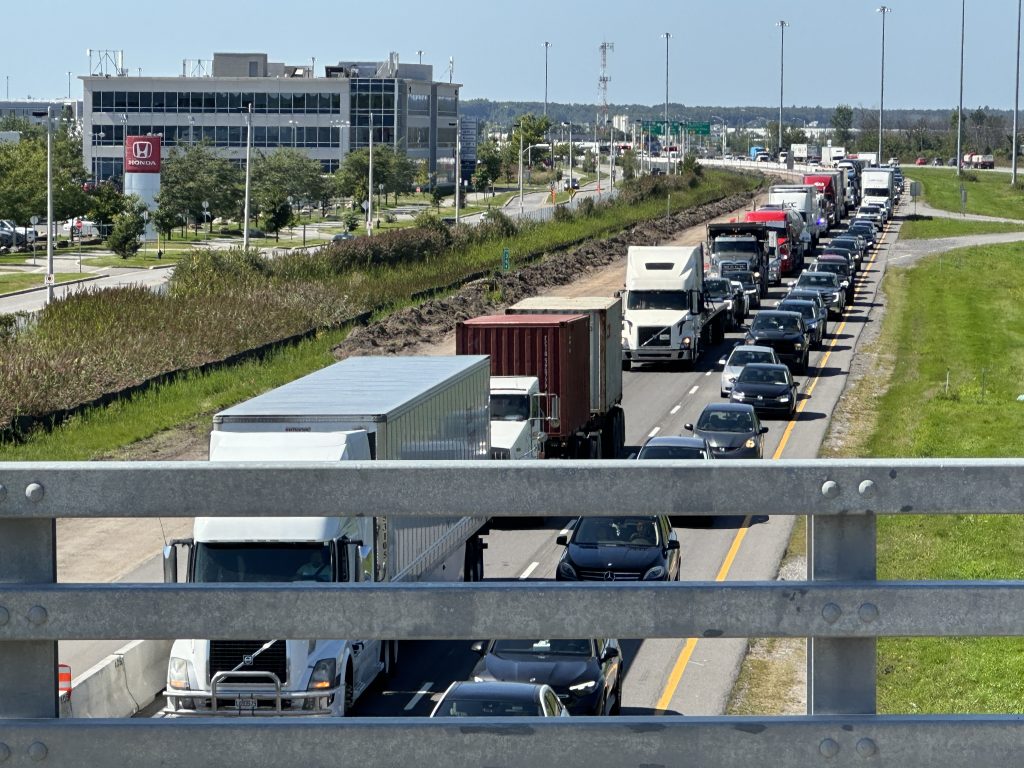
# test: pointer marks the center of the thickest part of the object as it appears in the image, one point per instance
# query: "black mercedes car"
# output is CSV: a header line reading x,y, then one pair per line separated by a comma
x,y
769,388
636,548
732,430
786,333
586,674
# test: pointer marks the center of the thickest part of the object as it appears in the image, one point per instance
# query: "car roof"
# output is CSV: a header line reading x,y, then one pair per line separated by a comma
x,y
732,407
794,300
777,312
679,441
752,348
487,690
766,367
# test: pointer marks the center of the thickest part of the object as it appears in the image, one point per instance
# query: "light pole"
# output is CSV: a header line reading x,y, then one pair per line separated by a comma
x,y
458,167
520,171
248,176
960,108
369,188
420,54
569,124
667,36
781,24
49,201
725,130
1016,100
546,46
69,86
882,9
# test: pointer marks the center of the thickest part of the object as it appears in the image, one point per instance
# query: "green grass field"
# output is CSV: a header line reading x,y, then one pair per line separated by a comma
x,y
926,228
941,317
20,281
990,194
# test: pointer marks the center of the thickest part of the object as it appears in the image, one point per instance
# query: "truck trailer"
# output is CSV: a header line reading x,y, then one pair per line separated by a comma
x,y
361,409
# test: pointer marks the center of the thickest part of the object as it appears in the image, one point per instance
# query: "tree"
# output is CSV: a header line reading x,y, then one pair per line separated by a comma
x,y
283,174
105,202
627,161
129,227
842,123
191,175
488,160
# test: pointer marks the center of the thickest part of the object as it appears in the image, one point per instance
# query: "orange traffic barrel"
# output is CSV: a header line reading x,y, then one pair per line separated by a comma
x,y
64,678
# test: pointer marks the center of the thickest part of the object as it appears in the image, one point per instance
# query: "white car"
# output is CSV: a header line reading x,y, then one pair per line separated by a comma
x,y
741,355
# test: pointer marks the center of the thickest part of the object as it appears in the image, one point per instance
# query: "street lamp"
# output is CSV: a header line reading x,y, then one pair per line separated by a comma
x,y
69,86
1016,100
667,36
725,130
248,176
569,124
49,201
781,24
881,99
546,46
369,188
960,108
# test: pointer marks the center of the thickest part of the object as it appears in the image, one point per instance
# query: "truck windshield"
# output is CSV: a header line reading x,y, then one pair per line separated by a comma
x,y
735,246
216,562
673,300
876,192
513,407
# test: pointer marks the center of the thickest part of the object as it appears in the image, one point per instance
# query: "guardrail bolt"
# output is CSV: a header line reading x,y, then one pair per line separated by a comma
x,y
831,613
37,751
866,488
34,492
866,747
868,612
5,616
830,489
829,748
5,751
37,615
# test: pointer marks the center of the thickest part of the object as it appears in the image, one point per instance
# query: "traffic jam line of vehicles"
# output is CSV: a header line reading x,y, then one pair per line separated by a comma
x,y
544,380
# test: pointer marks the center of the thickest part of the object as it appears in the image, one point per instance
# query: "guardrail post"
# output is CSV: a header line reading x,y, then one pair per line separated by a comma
x,y
28,670
841,671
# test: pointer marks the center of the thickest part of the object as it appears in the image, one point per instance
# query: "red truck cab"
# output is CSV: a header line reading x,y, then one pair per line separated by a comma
x,y
784,247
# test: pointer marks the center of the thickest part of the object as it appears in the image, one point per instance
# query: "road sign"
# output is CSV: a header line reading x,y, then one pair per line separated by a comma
x,y
49,279
698,128
78,224
506,260
366,204
206,204
33,220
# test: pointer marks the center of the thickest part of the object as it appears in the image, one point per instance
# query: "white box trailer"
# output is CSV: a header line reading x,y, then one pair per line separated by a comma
x,y
360,409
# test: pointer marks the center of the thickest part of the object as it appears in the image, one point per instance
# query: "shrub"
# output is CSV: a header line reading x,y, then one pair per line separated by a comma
x,y
562,213
586,207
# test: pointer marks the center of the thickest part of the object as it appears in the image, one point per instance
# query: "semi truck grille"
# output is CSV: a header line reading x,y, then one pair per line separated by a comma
x,y
609,575
501,453
227,655
654,337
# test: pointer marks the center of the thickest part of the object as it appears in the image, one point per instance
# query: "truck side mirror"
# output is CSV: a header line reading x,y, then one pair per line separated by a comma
x,y
695,303
477,647
554,406
170,564
562,540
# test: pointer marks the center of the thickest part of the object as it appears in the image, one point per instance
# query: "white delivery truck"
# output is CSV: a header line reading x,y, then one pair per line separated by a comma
x,y
361,409
804,199
666,317
517,418
876,187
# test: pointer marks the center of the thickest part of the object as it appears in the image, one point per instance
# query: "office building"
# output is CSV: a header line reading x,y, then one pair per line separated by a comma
x,y
326,116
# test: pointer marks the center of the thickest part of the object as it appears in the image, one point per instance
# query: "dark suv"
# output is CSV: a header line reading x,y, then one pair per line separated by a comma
x,y
786,333
635,548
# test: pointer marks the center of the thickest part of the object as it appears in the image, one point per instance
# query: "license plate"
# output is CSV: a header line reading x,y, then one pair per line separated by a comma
x,y
245,703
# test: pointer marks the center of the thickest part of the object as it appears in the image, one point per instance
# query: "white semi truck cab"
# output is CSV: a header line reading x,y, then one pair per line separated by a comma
x,y
517,418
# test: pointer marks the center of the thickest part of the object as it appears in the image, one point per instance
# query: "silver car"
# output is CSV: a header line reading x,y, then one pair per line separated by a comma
x,y
741,355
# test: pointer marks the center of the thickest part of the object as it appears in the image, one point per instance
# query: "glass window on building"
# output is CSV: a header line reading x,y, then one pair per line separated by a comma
x,y
236,137
298,102
447,104
260,101
419,103
171,101
158,101
222,136
210,102
273,102
222,101
120,101
259,135
419,138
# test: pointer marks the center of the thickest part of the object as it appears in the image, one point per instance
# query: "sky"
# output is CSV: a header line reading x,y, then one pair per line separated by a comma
x,y
721,53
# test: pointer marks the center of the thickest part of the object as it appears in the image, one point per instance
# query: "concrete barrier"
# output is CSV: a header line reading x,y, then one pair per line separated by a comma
x,y
120,685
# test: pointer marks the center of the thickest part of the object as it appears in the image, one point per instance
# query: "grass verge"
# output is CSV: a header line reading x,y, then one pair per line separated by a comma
x,y
927,227
20,281
988,193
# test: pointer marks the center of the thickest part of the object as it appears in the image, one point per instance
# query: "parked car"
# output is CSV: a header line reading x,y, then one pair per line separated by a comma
x,y
629,548
769,388
342,236
674,447
786,333
464,698
733,430
741,355
585,674
812,318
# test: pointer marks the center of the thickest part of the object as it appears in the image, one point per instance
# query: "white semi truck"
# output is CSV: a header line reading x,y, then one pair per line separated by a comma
x,y
804,199
361,409
876,187
666,316
517,418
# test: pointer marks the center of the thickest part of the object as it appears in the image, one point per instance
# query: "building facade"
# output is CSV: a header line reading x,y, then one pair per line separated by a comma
x,y
326,117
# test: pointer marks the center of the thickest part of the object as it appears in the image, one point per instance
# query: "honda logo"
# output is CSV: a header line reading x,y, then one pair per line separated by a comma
x,y
142,150
142,154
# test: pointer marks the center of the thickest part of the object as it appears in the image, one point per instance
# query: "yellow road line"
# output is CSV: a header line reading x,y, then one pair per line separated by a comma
x,y
676,675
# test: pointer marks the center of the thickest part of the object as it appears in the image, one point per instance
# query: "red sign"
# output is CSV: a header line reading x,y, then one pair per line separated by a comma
x,y
142,154
78,225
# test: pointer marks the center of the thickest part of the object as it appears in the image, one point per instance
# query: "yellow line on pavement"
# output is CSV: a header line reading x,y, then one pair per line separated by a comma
x,y
676,675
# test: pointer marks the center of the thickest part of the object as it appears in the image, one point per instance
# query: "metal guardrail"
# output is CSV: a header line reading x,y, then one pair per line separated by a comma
x,y
841,608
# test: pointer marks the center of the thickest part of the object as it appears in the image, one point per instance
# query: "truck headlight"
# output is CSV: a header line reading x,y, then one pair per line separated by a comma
x,y
323,675
177,674
687,341
584,687
566,570
657,573
798,345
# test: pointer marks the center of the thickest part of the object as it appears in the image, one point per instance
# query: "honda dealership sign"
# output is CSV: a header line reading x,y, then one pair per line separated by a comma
x,y
142,154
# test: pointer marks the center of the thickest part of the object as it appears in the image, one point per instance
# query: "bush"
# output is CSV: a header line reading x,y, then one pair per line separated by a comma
x,y
586,207
562,213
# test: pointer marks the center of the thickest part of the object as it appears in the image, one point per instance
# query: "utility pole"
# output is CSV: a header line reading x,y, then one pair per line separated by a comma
x,y
667,36
420,54
1016,101
546,46
960,108
248,177
881,99
781,24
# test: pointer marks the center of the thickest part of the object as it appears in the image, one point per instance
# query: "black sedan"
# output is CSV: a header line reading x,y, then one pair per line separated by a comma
x,y
586,674
733,430
641,548
769,388
785,332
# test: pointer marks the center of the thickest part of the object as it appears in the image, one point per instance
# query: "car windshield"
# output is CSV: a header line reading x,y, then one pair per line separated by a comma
x,y
804,308
746,278
616,531
672,452
510,407
754,375
725,421
766,322
672,300
831,266
453,707
718,287
544,647
825,281
742,357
